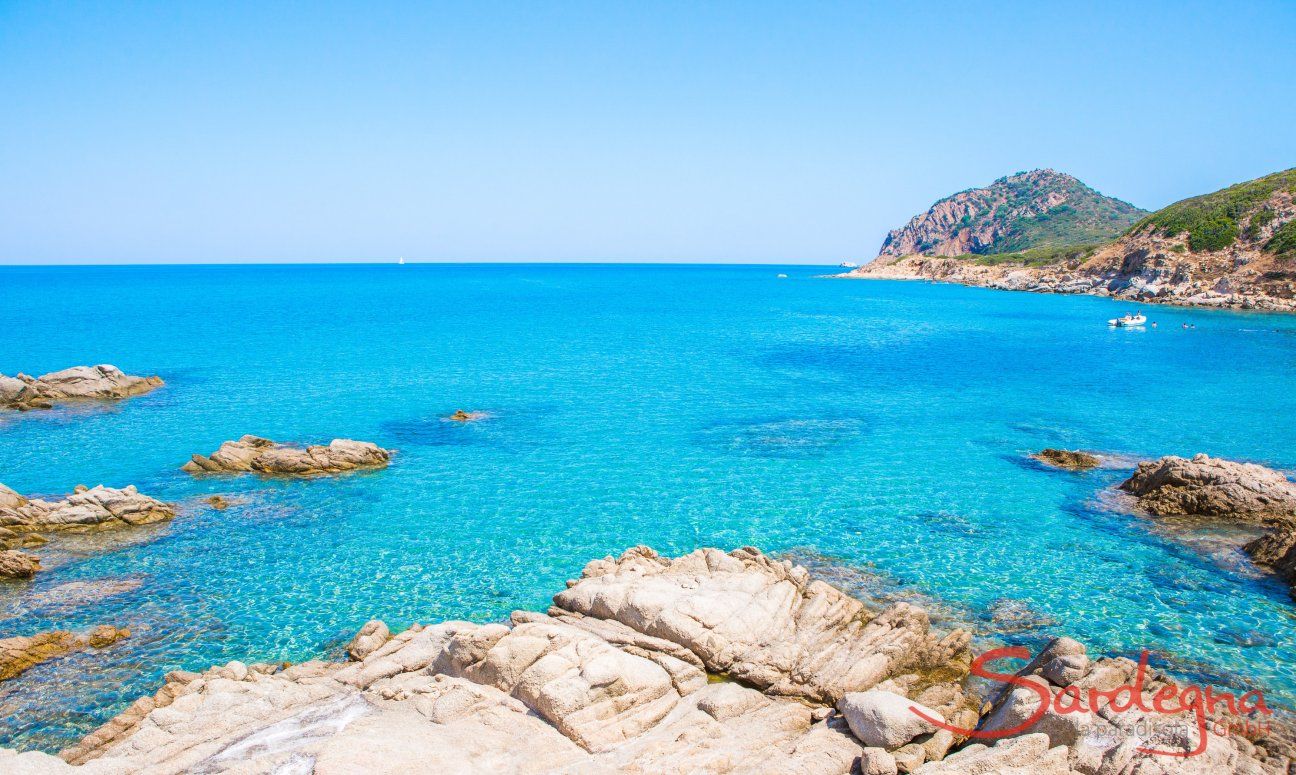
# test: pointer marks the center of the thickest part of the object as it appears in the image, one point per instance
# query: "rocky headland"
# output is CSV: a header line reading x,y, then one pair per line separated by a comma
x,y
23,521
1225,492
79,383
252,454
712,662
1233,248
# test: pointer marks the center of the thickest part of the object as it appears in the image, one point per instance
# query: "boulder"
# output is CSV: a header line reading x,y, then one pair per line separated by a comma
x,y
252,454
1211,487
1067,459
18,565
79,383
881,719
371,637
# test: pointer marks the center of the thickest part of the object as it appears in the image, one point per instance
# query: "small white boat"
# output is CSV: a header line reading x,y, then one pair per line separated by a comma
x,y
1128,321
402,261
847,265
782,277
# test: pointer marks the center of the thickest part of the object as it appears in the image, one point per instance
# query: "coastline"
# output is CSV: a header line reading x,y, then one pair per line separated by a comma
x,y
1027,280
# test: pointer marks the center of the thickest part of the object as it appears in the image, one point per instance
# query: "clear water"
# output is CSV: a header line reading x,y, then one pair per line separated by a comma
x,y
872,425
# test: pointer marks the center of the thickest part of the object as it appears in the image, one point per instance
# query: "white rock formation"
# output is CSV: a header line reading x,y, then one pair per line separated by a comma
x,y
78,383
263,456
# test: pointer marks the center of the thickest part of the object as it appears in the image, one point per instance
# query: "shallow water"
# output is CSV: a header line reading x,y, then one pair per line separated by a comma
x,y
883,425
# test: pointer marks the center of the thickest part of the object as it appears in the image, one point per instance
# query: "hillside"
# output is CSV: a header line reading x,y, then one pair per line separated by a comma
x,y
1235,247
1029,210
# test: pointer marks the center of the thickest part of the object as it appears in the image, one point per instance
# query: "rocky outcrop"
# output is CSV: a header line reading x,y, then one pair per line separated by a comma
x,y
79,383
19,654
1068,459
706,663
1021,211
23,520
88,508
1212,487
252,454
1225,492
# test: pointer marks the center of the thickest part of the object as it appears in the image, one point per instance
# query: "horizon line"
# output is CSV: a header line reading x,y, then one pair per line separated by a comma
x,y
106,264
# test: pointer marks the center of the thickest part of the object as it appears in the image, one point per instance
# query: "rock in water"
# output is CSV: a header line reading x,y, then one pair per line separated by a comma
x,y
1063,458
98,508
20,654
462,416
79,383
18,565
263,456
1212,487
1276,550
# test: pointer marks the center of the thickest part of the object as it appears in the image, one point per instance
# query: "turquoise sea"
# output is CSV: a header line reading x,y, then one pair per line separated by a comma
x,y
872,426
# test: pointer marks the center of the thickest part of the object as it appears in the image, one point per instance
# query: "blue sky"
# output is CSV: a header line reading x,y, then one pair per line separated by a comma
x,y
744,132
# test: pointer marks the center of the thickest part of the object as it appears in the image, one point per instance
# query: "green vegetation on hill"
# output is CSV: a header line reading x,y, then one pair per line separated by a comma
x,y
1015,210
1086,217
1212,221
1283,241
1036,256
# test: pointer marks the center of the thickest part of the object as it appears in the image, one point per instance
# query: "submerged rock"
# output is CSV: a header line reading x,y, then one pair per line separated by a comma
x,y
1212,487
79,383
263,456
18,565
618,676
1067,459
22,653
1276,550
462,416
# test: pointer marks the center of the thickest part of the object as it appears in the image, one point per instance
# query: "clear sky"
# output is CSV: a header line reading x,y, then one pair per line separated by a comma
x,y
603,131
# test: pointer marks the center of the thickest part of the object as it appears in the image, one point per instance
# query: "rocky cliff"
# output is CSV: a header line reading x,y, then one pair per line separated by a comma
x,y
1041,208
1233,248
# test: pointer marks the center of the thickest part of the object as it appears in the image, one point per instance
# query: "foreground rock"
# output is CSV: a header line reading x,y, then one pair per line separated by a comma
x,y
23,520
1212,487
263,456
20,654
1067,459
80,383
708,663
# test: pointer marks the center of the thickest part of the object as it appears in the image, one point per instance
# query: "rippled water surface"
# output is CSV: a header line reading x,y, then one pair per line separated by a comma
x,y
872,426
